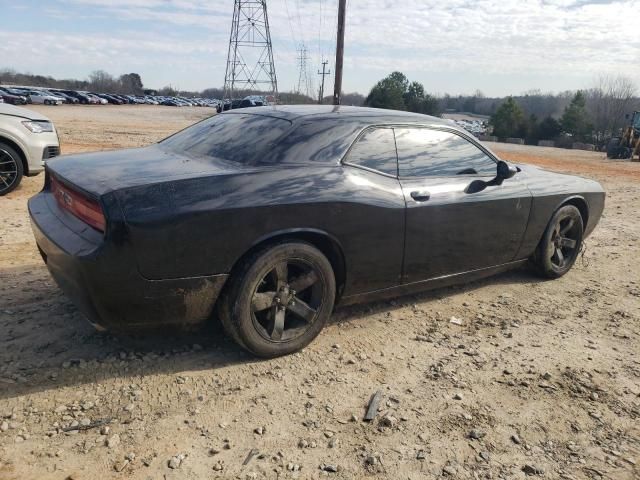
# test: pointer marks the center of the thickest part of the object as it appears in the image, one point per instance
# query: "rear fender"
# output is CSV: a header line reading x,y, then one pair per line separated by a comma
x,y
324,241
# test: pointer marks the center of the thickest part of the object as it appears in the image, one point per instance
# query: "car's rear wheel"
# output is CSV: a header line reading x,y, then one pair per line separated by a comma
x,y
11,169
561,243
279,299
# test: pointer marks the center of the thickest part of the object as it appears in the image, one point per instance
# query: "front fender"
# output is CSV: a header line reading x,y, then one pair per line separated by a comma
x,y
13,137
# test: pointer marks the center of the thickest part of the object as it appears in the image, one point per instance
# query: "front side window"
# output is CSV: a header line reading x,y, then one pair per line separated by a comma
x,y
424,153
376,149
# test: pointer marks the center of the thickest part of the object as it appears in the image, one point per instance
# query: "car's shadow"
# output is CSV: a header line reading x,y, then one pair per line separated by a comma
x,y
45,343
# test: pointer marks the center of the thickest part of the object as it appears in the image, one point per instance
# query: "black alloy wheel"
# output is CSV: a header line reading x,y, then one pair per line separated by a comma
x,y
286,301
561,243
11,169
279,299
564,242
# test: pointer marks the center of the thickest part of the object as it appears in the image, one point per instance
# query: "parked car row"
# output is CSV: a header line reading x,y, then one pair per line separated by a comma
x,y
57,96
246,102
475,127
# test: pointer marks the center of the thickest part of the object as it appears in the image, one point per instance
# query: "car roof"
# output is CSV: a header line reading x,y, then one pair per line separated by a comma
x,y
324,133
328,112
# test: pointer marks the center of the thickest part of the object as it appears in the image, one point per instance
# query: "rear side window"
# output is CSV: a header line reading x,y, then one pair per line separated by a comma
x,y
238,138
423,152
376,149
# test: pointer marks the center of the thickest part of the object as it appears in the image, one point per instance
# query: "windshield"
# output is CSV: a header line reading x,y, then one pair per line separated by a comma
x,y
239,138
636,121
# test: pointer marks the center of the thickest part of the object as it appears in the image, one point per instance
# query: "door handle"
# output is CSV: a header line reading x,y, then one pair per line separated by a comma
x,y
421,196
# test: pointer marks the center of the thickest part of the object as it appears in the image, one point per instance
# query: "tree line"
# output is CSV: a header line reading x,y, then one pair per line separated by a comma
x,y
591,115
396,92
99,81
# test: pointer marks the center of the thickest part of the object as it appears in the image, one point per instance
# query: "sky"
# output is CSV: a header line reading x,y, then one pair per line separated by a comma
x,y
500,47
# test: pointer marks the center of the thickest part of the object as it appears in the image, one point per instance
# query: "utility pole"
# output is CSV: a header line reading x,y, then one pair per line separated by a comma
x,y
337,90
250,65
324,73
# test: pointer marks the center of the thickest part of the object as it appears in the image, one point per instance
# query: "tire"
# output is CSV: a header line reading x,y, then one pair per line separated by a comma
x,y
612,147
560,244
46,102
272,310
11,169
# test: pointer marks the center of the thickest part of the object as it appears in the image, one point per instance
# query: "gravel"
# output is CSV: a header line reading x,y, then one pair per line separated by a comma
x,y
198,394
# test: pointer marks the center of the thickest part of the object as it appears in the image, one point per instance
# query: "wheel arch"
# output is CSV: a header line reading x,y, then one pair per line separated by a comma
x,y
580,203
323,241
19,151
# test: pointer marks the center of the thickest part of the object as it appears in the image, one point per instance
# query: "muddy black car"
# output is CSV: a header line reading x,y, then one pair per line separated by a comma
x,y
269,217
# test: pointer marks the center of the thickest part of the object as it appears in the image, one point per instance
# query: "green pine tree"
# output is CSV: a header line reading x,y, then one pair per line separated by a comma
x,y
575,119
508,121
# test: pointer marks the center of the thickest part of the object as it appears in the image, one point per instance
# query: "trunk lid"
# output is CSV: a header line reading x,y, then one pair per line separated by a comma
x,y
101,172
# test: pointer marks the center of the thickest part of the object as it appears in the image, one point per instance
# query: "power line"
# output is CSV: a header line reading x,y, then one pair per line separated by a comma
x,y
320,48
293,36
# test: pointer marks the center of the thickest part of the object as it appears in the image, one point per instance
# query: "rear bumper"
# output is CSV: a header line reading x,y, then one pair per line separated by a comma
x,y
101,278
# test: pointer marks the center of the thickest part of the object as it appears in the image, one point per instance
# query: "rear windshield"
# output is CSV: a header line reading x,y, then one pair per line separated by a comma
x,y
239,138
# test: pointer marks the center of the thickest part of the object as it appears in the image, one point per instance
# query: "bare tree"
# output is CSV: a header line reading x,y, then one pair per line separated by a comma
x,y
608,101
102,82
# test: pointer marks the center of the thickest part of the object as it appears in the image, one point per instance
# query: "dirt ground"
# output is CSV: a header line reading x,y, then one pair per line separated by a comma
x,y
541,378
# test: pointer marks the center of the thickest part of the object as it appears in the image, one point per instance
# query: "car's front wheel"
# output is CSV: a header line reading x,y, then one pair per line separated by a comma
x,y
11,169
560,244
279,299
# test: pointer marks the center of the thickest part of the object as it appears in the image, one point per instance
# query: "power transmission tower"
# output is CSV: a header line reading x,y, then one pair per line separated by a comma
x,y
303,79
324,73
250,65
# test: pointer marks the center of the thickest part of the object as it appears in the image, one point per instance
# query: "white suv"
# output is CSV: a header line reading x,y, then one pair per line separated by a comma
x,y
27,140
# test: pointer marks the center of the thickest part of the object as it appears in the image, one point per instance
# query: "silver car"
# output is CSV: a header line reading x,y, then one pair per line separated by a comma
x,y
27,140
43,98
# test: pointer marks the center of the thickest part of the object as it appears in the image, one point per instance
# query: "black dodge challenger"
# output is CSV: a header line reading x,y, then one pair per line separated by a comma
x,y
271,216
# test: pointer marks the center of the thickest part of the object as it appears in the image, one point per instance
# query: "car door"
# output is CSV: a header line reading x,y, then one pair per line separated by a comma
x,y
374,234
451,228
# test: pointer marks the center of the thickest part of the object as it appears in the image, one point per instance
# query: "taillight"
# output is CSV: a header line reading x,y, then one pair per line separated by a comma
x,y
86,209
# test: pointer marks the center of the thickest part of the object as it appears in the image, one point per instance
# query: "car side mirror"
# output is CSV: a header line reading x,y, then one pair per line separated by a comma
x,y
505,171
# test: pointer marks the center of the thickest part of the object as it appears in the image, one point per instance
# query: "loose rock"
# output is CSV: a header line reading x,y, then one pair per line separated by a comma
x,y
532,470
113,441
176,461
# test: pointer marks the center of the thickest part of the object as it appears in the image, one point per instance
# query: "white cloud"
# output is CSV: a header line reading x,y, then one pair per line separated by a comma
x,y
570,40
